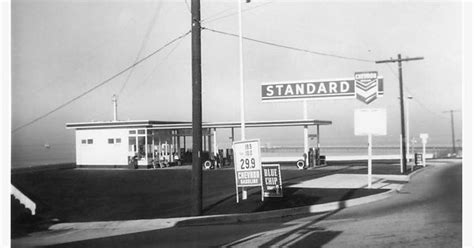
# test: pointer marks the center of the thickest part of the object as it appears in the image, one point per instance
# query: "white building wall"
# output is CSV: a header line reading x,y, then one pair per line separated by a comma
x,y
100,152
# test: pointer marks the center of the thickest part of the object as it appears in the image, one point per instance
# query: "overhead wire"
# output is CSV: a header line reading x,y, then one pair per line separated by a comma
x,y
290,47
414,97
142,47
158,63
101,83
216,14
187,5
128,97
212,19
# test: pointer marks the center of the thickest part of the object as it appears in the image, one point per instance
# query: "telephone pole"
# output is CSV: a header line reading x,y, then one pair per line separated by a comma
x,y
196,176
402,107
452,129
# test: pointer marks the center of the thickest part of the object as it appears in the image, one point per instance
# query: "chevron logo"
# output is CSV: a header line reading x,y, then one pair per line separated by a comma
x,y
366,86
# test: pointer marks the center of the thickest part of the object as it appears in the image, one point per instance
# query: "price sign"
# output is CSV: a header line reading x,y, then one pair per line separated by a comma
x,y
248,167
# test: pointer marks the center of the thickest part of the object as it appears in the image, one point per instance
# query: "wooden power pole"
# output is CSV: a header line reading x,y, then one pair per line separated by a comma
x,y
452,129
402,106
196,177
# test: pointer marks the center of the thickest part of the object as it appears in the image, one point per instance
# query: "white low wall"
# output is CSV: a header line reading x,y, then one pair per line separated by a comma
x,y
29,204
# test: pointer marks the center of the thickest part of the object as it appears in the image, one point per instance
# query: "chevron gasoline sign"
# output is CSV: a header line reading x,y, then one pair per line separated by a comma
x,y
365,86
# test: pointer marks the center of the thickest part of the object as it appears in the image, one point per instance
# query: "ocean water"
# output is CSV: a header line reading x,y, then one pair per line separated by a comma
x,y
34,155
352,150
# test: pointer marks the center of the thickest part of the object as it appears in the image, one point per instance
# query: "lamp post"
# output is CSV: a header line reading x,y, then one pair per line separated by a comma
x,y
408,127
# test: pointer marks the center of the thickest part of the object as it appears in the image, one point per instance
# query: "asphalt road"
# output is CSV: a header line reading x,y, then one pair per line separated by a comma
x,y
427,212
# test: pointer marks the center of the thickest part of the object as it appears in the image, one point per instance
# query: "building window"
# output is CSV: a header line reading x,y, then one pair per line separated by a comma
x,y
141,131
132,132
111,141
118,140
90,141
84,141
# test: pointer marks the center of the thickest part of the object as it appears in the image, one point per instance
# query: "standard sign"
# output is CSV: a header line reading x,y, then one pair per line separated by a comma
x,y
365,86
271,184
248,167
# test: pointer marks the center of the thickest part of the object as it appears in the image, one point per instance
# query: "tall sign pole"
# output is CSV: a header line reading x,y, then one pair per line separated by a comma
x,y
196,177
241,70
402,106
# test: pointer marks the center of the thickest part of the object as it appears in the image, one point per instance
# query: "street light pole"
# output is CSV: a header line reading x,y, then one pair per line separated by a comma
x,y
408,127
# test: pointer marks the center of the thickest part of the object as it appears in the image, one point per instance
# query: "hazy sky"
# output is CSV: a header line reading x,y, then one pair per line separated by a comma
x,y
63,48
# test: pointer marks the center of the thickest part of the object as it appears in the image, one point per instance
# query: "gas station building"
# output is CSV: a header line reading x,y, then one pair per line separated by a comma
x,y
112,143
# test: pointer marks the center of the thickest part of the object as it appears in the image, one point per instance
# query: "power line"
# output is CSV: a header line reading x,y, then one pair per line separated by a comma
x,y
217,14
187,5
215,18
158,63
101,84
415,98
145,40
141,84
291,48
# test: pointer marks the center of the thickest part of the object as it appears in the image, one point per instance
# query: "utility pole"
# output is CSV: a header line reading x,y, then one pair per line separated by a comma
x,y
196,176
402,107
452,129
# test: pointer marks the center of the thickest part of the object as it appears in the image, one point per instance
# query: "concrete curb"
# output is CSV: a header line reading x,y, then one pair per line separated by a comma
x,y
150,224
415,172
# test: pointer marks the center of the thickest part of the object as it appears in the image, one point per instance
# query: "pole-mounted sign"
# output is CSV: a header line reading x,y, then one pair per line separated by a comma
x,y
365,86
370,122
247,164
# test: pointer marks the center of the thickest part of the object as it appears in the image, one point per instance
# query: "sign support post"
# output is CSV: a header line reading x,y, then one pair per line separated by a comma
x,y
370,161
305,131
424,139
370,122
401,155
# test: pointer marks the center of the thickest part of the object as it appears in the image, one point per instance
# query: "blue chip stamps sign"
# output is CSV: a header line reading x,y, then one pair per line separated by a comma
x,y
366,89
271,183
248,167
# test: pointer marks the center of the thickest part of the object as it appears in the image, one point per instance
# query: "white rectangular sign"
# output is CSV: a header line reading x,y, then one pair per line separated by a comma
x,y
424,137
370,121
247,163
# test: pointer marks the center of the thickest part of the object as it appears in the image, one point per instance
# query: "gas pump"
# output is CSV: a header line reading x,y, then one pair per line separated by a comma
x,y
311,157
220,158
317,156
164,155
229,157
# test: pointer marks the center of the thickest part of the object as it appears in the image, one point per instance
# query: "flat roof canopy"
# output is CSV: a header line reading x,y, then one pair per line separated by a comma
x,y
167,125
